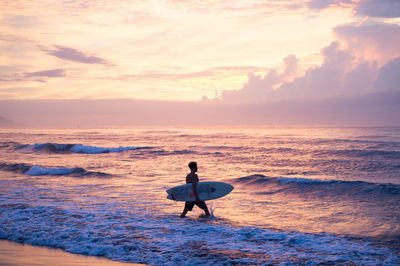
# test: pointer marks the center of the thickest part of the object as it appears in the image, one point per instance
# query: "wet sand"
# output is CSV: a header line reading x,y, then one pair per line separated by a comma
x,y
15,254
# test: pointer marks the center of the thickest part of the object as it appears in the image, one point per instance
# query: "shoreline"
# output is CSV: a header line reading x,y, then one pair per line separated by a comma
x,y
17,254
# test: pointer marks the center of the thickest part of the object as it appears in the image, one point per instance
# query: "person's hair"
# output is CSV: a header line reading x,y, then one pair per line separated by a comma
x,y
192,165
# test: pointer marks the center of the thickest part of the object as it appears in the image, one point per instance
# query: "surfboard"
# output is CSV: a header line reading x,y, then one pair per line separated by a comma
x,y
207,191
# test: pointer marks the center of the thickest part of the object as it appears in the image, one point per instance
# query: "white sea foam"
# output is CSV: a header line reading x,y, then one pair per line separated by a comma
x,y
79,148
39,170
161,239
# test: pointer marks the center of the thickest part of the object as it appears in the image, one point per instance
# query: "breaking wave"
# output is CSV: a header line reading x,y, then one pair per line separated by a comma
x,y
36,170
164,240
75,148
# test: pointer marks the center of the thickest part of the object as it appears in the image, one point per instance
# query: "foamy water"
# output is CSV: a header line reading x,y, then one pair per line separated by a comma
x,y
302,195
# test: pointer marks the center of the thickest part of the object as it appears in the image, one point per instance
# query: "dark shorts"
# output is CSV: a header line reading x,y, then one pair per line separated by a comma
x,y
189,205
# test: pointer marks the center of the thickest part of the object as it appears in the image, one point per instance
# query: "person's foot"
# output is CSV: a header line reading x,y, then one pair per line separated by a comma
x,y
183,216
204,216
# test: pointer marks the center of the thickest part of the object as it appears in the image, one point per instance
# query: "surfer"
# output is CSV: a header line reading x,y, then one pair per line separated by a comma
x,y
194,179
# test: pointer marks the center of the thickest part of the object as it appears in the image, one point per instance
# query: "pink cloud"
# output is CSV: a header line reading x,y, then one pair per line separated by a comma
x,y
389,76
260,88
20,21
52,73
340,74
378,41
379,8
365,59
371,8
71,54
155,75
320,4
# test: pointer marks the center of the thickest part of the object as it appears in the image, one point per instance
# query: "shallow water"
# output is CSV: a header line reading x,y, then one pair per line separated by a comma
x,y
302,195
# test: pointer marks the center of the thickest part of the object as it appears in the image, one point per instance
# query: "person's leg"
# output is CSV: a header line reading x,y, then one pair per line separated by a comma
x,y
202,205
188,207
184,213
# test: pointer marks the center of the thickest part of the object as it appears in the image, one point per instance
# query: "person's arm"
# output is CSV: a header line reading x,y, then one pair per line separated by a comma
x,y
194,184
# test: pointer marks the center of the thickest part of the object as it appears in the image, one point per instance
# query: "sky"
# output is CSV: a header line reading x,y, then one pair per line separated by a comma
x,y
219,53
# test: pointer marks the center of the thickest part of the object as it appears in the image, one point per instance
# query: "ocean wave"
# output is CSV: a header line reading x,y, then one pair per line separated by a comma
x,y
36,170
9,144
310,186
75,148
355,141
163,152
344,153
147,239
219,147
15,167
360,153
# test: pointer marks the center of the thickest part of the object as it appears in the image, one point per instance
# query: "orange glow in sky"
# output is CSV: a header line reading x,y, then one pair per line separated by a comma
x,y
161,50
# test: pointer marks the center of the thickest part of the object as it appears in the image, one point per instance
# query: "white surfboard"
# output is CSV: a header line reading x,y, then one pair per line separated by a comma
x,y
206,190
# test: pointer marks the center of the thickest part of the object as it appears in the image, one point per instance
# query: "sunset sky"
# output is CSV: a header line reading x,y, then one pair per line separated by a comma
x,y
218,51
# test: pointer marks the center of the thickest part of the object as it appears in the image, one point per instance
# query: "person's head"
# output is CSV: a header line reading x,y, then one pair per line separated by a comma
x,y
193,166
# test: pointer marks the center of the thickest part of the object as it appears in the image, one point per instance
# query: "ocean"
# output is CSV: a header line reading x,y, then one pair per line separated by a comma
x,y
303,195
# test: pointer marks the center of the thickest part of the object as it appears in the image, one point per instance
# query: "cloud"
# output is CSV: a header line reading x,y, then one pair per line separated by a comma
x,y
75,55
154,75
377,41
340,74
259,88
20,21
363,60
371,8
52,73
238,68
319,4
389,76
379,8
322,4
213,72
36,76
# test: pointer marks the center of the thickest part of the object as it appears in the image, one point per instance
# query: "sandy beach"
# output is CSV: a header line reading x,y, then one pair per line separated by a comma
x,y
15,254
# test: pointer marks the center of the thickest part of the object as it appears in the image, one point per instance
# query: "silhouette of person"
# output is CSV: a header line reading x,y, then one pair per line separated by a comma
x,y
193,179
